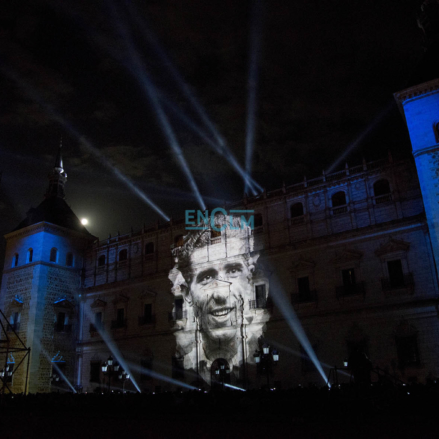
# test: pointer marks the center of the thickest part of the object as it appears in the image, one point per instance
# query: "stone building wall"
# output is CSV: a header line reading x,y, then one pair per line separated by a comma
x,y
364,234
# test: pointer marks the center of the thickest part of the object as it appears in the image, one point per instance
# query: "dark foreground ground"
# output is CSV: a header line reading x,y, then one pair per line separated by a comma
x,y
393,412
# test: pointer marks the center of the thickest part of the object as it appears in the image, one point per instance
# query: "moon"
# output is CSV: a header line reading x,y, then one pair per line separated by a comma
x,y
84,221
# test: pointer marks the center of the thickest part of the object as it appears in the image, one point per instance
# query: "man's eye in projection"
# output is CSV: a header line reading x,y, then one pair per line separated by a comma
x,y
234,270
206,277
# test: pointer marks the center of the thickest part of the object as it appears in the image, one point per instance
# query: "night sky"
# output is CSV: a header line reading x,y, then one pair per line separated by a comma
x,y
327,71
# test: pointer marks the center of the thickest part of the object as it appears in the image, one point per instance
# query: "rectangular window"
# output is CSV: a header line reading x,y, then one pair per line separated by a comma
x,y
303,286
98,319
120,316
178,305
60,321
177,368
407,351
146,366
147,313
396,275
261,298
95,371
348,277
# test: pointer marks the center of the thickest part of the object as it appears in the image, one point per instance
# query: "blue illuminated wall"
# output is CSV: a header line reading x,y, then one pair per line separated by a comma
x,y
41,290
420,106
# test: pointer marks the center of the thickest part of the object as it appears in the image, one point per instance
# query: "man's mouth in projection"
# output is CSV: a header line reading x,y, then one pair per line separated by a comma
x,y
221,312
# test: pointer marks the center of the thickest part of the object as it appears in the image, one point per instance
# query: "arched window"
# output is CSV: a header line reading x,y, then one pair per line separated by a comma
x,y
149,248
69,260
179,240
296,210
381,187
15,260
338,199
123,255
101,261
29,256
215,236
53,255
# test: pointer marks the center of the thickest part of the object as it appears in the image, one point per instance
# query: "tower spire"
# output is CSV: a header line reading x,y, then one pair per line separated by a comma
x,y
57,177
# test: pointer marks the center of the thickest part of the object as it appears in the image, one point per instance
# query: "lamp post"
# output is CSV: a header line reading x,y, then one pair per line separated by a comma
x,y
123,376
222,371
109,368
265,360
6,372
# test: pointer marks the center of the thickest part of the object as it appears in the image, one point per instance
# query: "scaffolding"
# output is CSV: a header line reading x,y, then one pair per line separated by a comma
x,y
6,348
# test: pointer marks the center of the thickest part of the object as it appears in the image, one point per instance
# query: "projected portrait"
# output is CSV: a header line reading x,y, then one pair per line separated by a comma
x,y
221,294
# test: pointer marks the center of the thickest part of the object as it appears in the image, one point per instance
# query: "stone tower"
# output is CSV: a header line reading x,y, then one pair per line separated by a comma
x,y
40,287
419,104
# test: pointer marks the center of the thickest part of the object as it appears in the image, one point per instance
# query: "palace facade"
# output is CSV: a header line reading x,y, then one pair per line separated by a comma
x,y
341,264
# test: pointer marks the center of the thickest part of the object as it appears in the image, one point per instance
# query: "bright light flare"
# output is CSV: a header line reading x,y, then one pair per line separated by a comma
x,y
220,146
361,137
139,71
54,365
161,377
84,221
114,350
253,76
234,387
35,96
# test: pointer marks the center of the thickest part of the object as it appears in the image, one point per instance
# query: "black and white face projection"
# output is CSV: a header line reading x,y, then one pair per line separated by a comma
x,y
220,299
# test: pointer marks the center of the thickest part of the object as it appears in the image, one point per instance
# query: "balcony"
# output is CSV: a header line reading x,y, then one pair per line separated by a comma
x,y
383,198
62,328
177,315
398,282
350,290
260,304
118,324
339,210
147,320
304,297
297,220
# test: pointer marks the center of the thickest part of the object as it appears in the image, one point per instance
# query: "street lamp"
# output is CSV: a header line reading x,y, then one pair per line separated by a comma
x,y
54,377
109,368
221,372
265,360
6,371
123,376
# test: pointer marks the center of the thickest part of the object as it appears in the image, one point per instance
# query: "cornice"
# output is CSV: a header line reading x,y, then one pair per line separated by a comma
x,y
44,226
416,92
47,264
